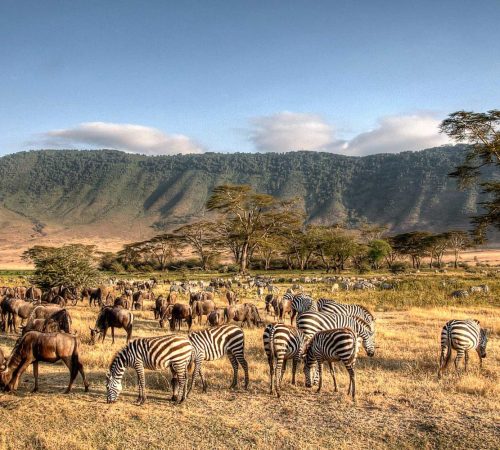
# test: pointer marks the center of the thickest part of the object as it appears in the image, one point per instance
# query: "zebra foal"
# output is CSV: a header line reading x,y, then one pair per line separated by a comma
x,y
158,353
462,336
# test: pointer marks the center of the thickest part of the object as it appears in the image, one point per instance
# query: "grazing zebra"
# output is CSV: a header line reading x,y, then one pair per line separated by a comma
x,y
300,303
155,353
282,342
332,345
346,309
312,322
214,343
462,336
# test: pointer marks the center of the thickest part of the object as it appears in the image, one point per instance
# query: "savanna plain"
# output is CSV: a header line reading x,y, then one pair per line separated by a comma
x,y
400,401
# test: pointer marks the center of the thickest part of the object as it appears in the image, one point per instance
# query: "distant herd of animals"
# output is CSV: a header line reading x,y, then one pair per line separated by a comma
x,y
325,331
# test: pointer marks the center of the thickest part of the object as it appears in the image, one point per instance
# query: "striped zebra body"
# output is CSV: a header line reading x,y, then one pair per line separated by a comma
x,y
462,336
313,322
281,343
346,309
332,345
156,353
214,343
300,303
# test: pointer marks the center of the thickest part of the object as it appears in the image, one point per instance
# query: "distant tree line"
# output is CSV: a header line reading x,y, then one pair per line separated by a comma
x,y
260,231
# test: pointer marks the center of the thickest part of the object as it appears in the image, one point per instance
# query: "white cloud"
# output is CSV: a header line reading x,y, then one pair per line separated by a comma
x,y
127,137
396,134
289,131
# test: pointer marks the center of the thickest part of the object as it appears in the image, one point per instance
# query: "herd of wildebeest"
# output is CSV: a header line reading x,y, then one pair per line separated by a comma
x,y
325,331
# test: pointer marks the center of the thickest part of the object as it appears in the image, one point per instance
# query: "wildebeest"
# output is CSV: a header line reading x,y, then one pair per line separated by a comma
x,y
13,308
34,294
121,301
34,347
67,293
175,314
272,302
139,297
96,296
114,317
285,307
160,302
216,317
245,313
231,297
202,308
20,292
57,321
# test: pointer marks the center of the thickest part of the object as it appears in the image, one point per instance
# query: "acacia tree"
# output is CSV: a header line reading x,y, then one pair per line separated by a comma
x,y
248,217
335,246
70,265
203,239
437,245
482,132
458,241
378,250
413,244
300,245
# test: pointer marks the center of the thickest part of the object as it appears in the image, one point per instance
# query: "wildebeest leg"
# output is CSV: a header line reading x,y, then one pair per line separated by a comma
x,y
73,371
129,333
35,375
82,373
104,333
112,335
12,386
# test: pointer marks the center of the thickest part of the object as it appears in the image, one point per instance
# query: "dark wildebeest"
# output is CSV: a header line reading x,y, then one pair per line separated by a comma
x,y
139,297
34,294
20,292
121,301
202,308
2,360
57,321
216,317
11,309
175,314
59,300
160,302
246,313
96,296
114,317
232,297
34,347
68,293
272,301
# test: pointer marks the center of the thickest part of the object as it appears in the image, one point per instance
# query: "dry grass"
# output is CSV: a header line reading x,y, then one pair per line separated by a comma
x,y
401,404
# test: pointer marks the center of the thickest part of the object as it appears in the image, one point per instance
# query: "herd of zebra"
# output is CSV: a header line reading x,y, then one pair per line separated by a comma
x,y
326,331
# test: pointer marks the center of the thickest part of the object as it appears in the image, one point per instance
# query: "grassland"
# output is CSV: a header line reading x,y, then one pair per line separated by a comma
x,y
401,404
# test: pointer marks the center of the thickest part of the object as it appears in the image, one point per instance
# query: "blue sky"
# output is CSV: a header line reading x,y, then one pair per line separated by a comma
x,y
160,77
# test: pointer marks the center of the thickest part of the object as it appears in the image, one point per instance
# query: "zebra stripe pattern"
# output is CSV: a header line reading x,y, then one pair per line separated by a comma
x,y
462,336
313,322
332,345
156,353
281,343
214,343
346,309
300,303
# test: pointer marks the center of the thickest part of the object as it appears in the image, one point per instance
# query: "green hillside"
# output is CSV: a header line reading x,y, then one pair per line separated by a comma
x,y
405,191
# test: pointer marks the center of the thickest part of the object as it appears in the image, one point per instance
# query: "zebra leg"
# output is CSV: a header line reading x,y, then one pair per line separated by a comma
x,y
352,382
270,361
234,363
320,375
295,363
141,383
280,368
196,372
460,354
332,372
444,360
243,362
181,372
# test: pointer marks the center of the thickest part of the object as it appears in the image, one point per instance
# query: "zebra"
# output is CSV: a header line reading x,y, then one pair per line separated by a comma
x,y
346,309
300,303
339,344
462,336
155,353
214,343
282,342
312,322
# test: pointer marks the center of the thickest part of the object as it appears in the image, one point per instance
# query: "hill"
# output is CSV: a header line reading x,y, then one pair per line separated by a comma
x,y
110,197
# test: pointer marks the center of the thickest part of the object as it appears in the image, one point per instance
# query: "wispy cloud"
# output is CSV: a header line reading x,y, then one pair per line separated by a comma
x,y
127,137
289,131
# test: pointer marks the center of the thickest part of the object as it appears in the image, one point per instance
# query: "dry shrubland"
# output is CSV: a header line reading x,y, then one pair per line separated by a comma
x,y
401,403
